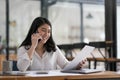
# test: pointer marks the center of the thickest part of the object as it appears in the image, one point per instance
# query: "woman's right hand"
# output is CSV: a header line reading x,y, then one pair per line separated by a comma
x,y
34,39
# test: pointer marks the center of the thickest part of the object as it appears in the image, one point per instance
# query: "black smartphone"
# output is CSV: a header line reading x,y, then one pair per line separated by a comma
x,y
42,72
38,39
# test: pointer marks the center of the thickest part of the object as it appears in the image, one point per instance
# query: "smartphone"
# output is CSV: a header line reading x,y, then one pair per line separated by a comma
x,y
42,72
38,39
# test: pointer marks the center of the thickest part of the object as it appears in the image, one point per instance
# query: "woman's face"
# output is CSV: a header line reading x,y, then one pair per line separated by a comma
x,y
44,31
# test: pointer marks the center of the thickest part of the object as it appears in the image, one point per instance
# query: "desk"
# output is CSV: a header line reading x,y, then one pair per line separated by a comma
x,y
57,75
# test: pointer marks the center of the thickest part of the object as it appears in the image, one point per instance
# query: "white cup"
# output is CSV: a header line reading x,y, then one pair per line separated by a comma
x,y
7,66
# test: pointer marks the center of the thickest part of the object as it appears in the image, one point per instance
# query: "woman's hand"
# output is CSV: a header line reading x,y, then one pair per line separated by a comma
x,y
34,39
80,65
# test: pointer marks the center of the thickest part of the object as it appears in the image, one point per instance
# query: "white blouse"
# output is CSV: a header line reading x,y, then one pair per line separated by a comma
x,y
49,61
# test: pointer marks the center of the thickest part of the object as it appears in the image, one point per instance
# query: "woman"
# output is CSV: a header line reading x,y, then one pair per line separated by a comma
x,y
38,51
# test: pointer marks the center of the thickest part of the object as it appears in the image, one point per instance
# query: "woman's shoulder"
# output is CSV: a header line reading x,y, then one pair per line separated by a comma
x,y
57,50
21,48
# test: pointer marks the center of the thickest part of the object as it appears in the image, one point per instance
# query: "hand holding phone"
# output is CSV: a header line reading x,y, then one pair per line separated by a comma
x,y
35,38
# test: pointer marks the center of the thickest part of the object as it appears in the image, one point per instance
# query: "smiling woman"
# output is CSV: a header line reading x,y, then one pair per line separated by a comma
x,y
38,51
39,48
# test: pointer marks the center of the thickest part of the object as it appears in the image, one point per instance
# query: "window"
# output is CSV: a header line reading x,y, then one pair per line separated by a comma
x,y
75,22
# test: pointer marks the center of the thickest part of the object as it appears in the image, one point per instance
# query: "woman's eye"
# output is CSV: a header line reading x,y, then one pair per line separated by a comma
x,y
43,30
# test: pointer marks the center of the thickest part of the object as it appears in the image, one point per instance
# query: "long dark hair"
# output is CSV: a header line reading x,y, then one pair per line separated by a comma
x,y
39,21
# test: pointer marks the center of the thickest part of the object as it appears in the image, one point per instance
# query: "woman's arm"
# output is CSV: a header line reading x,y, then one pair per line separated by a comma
x,y
61,59
24,58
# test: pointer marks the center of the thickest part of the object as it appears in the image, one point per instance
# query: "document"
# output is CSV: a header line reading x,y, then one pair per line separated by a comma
x,y
84,53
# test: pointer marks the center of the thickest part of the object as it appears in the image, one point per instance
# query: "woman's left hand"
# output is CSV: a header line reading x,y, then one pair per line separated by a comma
x,y
80,65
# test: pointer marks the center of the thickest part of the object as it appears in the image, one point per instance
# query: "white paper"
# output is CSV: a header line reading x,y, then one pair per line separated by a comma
x,y
85,52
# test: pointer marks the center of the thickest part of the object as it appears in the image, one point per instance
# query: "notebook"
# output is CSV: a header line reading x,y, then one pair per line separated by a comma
x,y
19,73
13,73
84,53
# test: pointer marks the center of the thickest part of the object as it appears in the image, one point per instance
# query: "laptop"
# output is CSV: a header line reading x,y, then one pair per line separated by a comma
x,y
82,71
84,53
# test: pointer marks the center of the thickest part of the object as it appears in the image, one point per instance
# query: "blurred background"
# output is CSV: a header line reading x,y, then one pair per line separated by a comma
x,y
73,22
65,17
